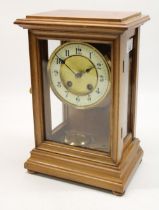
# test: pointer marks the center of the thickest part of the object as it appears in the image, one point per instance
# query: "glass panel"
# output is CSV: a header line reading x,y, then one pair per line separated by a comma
x,y
127,89
77,117
56,111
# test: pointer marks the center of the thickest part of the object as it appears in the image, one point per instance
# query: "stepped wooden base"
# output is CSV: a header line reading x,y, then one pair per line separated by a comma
x,y
108,175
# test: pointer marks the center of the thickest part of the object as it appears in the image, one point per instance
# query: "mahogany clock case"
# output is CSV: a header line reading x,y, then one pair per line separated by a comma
x,y
111,161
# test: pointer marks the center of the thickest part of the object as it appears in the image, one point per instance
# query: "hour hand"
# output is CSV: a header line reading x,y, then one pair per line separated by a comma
x,y
89,69
79,74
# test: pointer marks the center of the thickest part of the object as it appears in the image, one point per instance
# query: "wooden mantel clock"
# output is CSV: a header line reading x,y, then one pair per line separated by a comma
x,y
84,67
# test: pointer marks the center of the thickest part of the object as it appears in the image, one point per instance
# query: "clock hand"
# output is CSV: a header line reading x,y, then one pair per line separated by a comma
x,y
89,69
79,74
63,62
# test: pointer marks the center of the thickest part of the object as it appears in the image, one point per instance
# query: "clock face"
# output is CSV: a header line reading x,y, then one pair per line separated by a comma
x,y
79,74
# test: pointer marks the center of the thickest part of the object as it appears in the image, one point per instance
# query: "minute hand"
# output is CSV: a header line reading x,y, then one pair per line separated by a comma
x,y
63,62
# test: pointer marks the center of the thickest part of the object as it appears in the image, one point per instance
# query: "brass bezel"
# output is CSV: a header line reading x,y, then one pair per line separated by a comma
x,y
106,61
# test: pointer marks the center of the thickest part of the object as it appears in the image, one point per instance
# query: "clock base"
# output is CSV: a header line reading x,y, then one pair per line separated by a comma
x,y
107,175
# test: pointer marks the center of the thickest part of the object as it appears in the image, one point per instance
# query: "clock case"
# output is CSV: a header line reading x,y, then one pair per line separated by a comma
x,y
121,30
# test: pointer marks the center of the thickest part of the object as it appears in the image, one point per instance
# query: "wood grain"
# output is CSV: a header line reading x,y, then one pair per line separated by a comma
x,y
37,89
84,19
114,178
87,15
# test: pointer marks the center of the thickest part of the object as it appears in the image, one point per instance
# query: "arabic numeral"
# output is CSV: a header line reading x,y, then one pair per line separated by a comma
x,y
98,91
90,55
59,61
89,98
78,50
78,99
67,53
66,93
99,65
58,84
55,72
101,77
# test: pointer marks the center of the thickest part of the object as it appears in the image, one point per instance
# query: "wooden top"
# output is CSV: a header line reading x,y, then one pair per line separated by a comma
x,y
76,18
86,15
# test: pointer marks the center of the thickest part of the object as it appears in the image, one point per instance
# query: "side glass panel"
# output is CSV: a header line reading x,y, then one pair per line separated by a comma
x,y
128,72
67,124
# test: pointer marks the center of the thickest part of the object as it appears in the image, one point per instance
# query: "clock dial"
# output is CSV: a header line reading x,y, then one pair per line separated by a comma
x,y
79,74
83,79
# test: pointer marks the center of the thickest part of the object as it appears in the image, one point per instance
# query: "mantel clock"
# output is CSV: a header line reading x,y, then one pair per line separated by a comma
x,y
84,67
